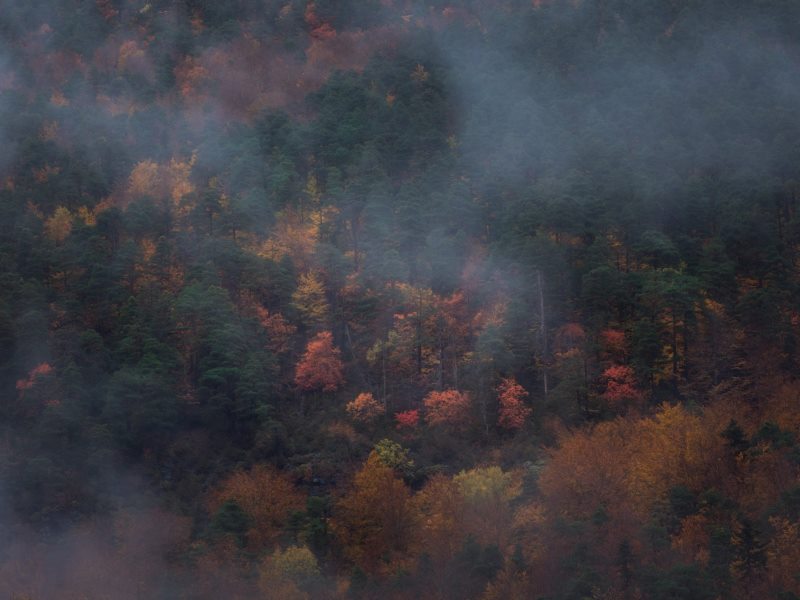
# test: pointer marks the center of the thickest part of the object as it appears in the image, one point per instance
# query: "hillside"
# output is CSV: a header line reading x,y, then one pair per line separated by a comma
x,y
384,299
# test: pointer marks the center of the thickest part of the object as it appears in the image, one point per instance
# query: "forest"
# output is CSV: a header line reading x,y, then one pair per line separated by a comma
x,y
400,299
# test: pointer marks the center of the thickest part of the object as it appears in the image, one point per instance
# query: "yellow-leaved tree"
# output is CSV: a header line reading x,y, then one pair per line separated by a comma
x,y
290,574
59,225
310,301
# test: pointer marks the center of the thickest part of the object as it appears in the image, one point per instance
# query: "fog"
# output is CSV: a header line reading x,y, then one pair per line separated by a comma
x,y
532,108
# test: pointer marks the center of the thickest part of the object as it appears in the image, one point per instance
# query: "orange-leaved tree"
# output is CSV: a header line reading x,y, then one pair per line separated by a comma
x,y
375,519
449,407
267,498
513,413
40,389
440,532
365,408
321,367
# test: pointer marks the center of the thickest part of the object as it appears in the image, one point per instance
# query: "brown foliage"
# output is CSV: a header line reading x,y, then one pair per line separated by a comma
x,y
783,556
488,493
375,518
614,343
441,525
279,330
568,336
266,495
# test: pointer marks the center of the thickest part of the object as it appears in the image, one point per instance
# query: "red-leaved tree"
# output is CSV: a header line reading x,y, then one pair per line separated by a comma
x,y
408,419
449,407
621,387
321,367
512,413
613,343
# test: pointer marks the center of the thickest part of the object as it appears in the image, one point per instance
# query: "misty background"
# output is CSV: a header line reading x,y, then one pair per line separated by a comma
x,y
167,167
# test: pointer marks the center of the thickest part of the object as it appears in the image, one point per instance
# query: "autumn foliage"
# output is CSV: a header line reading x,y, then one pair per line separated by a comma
x,y
621,388
321,367
279,330
37,372
450,407
38,390
407,419
212,212
288,574
613,341
375,518
512,412
266,496
364,408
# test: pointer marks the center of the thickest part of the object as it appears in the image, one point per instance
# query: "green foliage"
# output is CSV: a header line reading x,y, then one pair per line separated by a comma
x,y
395,456
313,528
487,485
682,501
735,437
231,520
684,582
479,562
296,564
443,188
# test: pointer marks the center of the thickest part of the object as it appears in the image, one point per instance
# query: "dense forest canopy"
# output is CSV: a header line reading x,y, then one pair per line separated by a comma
x,y
392,299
